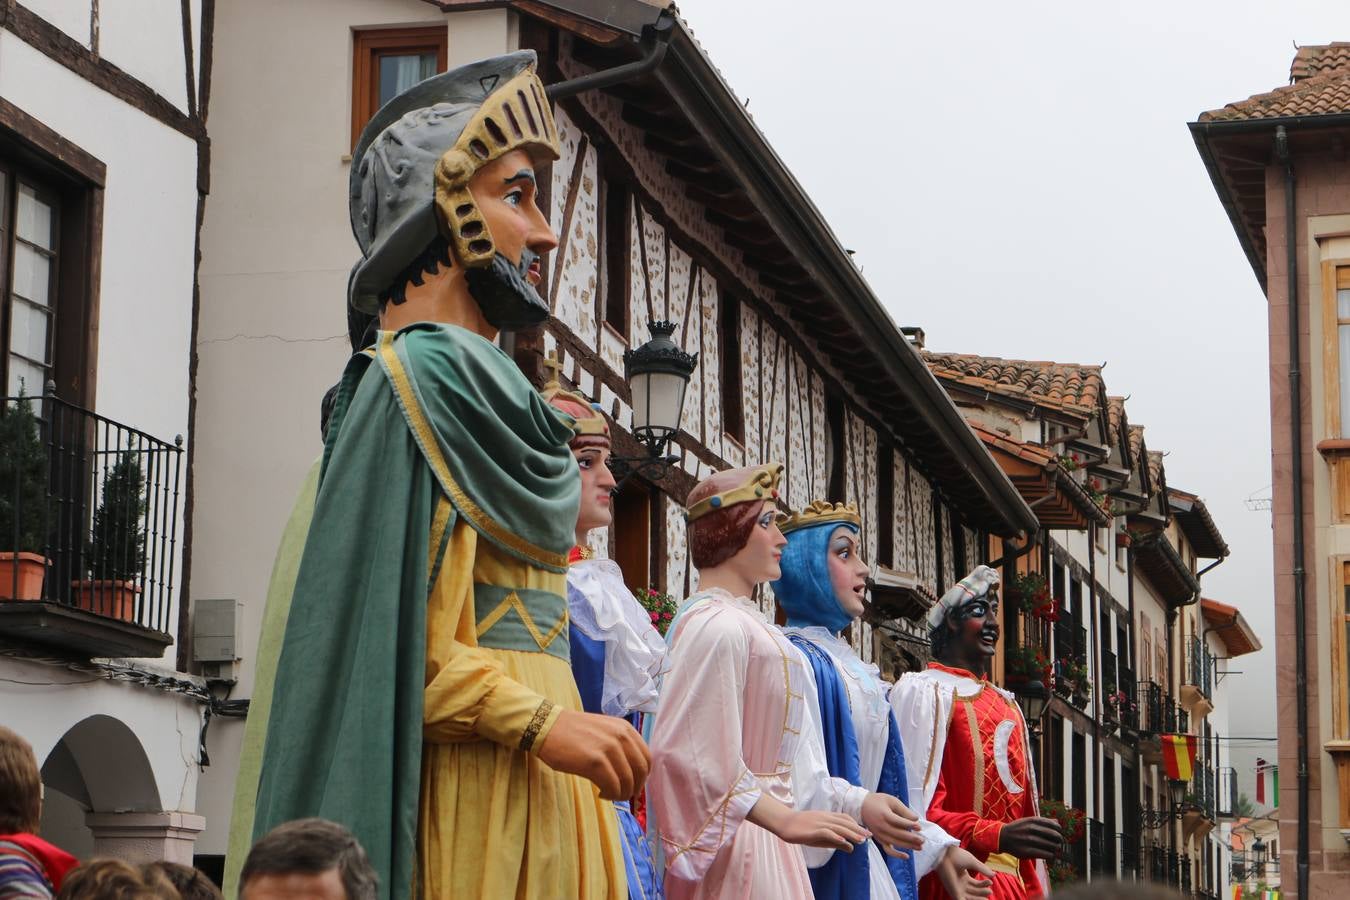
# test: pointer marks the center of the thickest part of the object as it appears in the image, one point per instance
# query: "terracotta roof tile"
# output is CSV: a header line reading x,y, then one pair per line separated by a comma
x,y
1136,442
1115,418
1318,58
1155,469
1066,384
1318,95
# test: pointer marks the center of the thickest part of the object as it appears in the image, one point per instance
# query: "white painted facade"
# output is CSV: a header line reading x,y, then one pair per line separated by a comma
x,y
119,756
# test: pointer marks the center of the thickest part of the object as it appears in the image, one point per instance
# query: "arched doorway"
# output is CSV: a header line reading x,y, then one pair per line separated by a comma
x,y
97,774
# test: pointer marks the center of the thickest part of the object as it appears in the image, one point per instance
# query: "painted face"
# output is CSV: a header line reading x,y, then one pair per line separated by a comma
x,y
848,571
597,486
304,886
505,192
977,624
762,553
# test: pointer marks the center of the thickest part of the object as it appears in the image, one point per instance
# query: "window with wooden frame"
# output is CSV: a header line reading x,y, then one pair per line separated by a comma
x,y
1336,373
616,230
51,233
729,357
388,61
885,523
45,234
29,252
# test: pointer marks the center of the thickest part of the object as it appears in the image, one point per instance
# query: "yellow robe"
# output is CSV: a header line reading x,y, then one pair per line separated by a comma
x,y
494,821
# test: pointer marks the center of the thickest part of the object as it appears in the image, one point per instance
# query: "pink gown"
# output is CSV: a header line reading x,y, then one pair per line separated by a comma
x,y
728,730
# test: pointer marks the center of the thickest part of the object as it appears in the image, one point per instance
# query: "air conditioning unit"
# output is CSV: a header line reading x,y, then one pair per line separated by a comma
x,y
215,622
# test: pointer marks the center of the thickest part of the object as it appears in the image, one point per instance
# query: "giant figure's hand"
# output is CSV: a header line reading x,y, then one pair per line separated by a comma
x,y
1031,838
963,876
605,749
831,831
892,823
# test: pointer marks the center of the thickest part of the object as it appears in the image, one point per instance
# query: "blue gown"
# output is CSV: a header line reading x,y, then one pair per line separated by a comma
x,y
588,668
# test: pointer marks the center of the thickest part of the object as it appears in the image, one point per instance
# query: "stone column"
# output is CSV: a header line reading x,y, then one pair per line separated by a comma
x,y
139,837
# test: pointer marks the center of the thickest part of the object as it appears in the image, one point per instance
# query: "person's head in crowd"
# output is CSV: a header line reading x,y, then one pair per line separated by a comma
x,y
20,785
191,884
114,879
308,858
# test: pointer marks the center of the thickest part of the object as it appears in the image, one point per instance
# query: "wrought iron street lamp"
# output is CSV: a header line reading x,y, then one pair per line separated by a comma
x,y
1176,795
1259,858
1033,698
658,374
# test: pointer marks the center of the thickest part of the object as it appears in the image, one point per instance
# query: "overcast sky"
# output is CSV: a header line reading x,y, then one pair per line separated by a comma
x,y
1018,179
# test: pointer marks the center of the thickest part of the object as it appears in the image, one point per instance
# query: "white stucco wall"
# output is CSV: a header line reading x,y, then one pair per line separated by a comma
x,y
43,703
149,225
145,39
71,16
276,253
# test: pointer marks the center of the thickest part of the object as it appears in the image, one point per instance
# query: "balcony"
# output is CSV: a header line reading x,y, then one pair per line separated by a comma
x,y
1197,688
92,505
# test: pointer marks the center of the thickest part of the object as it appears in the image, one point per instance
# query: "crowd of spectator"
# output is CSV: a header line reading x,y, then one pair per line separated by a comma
x,y
310,858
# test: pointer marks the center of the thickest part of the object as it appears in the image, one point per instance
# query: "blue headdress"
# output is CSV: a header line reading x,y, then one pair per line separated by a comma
x,y
804,589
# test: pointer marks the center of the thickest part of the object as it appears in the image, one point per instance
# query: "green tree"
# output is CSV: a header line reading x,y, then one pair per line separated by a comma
x,y
117,548
1243,807
22,478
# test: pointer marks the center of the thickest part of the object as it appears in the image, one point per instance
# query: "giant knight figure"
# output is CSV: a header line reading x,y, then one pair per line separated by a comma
x,y
423,696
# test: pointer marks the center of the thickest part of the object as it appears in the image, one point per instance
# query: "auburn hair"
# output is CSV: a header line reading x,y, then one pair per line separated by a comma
x,y
20,785
719,535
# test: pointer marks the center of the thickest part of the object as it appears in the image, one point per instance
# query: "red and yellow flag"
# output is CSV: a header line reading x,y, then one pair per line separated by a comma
x,y
1178,753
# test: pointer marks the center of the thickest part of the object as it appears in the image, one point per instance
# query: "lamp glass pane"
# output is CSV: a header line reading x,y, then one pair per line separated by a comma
x,y
657,400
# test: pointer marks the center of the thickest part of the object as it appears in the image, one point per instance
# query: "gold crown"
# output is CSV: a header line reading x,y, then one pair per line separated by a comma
x,y
761,485
516,115
821,512
581,425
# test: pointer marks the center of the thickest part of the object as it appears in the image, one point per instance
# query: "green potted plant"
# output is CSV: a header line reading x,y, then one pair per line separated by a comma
x,y
115,553
660,607
23,485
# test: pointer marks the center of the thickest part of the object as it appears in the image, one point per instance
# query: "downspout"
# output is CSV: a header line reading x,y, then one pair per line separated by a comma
x,y
1094,648
655,40
1296,477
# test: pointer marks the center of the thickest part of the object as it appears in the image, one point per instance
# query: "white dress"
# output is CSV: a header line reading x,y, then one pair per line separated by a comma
x,y
870,710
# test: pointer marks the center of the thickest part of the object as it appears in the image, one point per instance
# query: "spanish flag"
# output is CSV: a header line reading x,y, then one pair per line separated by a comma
x,y
1178,753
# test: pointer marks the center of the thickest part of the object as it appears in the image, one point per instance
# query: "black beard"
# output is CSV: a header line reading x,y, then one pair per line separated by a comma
x,y
508,301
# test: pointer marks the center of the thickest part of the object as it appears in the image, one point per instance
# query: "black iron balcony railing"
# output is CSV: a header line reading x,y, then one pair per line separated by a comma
x,y
1157,868
1200,669
1131,861
1203,789
92,506
1159,713
1098,860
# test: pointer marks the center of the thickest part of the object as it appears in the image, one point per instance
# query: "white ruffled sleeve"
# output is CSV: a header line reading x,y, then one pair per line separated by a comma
x,y
635,652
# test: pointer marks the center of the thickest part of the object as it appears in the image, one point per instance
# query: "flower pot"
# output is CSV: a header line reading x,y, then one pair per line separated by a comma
x,y
1122,539
32,570
1063,688
107,597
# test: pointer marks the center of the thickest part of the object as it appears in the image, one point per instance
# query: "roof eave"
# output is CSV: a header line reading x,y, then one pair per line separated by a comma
x,y
693,82
1200,133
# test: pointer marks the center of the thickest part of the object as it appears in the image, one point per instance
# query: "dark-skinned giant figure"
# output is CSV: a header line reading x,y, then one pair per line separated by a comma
x,y
978,782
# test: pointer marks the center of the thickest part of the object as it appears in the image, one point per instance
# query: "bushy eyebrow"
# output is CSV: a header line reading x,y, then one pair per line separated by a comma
x,y
522,175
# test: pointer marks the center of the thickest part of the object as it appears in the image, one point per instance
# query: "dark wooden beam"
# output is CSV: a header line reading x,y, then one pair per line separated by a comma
x,y
668,127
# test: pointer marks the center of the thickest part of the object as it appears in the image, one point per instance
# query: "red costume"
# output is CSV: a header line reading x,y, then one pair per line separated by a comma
x,y
977,777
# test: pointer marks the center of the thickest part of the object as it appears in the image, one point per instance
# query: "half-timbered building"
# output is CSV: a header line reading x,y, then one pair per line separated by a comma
x,y
669,204
1108,610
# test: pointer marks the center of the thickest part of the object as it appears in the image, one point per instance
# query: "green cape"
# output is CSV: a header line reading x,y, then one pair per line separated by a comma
x,y
442,410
